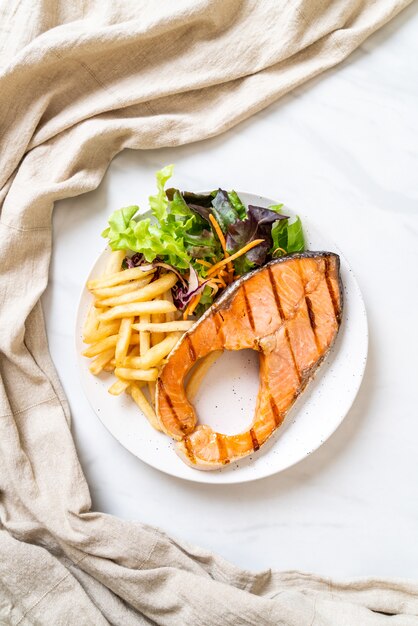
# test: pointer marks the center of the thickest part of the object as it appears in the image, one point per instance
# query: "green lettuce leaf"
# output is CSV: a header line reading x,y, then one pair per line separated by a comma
x,y
287,236
206,299
277,208
178,205
175,233
279,236
159,202
237,204
295,238
119,231
154,242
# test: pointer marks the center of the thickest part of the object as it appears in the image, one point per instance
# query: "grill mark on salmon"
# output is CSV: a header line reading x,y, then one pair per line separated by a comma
x,y
191,348
286,333
276,413
275,294
311,315
223,454
293,333
218,326
256,445
335,306
248,307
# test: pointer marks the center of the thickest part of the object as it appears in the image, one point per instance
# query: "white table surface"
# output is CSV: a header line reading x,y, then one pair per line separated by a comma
x,y
343,151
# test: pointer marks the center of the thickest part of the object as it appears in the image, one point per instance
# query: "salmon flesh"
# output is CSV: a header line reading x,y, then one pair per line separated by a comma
x,y
290,312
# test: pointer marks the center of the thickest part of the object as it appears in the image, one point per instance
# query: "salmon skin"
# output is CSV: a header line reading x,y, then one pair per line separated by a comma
x,y
289,311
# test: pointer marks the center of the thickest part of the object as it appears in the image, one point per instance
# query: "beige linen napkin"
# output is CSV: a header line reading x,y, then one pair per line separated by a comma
x,y
80,81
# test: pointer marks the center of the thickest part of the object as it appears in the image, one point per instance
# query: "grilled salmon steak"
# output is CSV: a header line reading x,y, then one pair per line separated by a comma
x,y
290,312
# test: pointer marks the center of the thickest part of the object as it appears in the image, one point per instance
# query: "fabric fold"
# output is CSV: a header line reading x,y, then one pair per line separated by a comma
x,y
79,82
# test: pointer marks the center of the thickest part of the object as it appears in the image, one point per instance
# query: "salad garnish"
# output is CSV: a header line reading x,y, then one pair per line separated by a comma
x,y
208,240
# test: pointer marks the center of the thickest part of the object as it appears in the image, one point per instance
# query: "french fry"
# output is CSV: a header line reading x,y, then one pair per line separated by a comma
x,y
119,387
114,262
170,317
199,372
157,337
119,290
91,329
123,323
144,337
155,355
144,406
163,327
103,345
99,363
108,367
144,294
119,277
124,337
91,323
134,349
104,330
128,373
137,308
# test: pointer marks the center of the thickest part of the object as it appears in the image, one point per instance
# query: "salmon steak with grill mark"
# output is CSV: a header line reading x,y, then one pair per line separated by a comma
x,y
290,312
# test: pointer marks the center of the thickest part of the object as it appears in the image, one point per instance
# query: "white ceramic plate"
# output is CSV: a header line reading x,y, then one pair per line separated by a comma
x,y
226,400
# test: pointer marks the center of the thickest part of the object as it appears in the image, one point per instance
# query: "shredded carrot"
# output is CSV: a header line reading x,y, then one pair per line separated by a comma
x,y
220,280
279,248
212,284
194,304
202,262
219,232
234,256
191,306
221,238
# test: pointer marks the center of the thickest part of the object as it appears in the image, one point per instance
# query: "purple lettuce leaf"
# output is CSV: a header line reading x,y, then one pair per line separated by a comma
x,y
265,216
198,199
138,260
183,293
258,225
198,203
135,260
203,211
223,210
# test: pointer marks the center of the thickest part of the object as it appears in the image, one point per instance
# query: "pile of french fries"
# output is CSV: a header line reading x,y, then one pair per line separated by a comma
x,y
131,327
